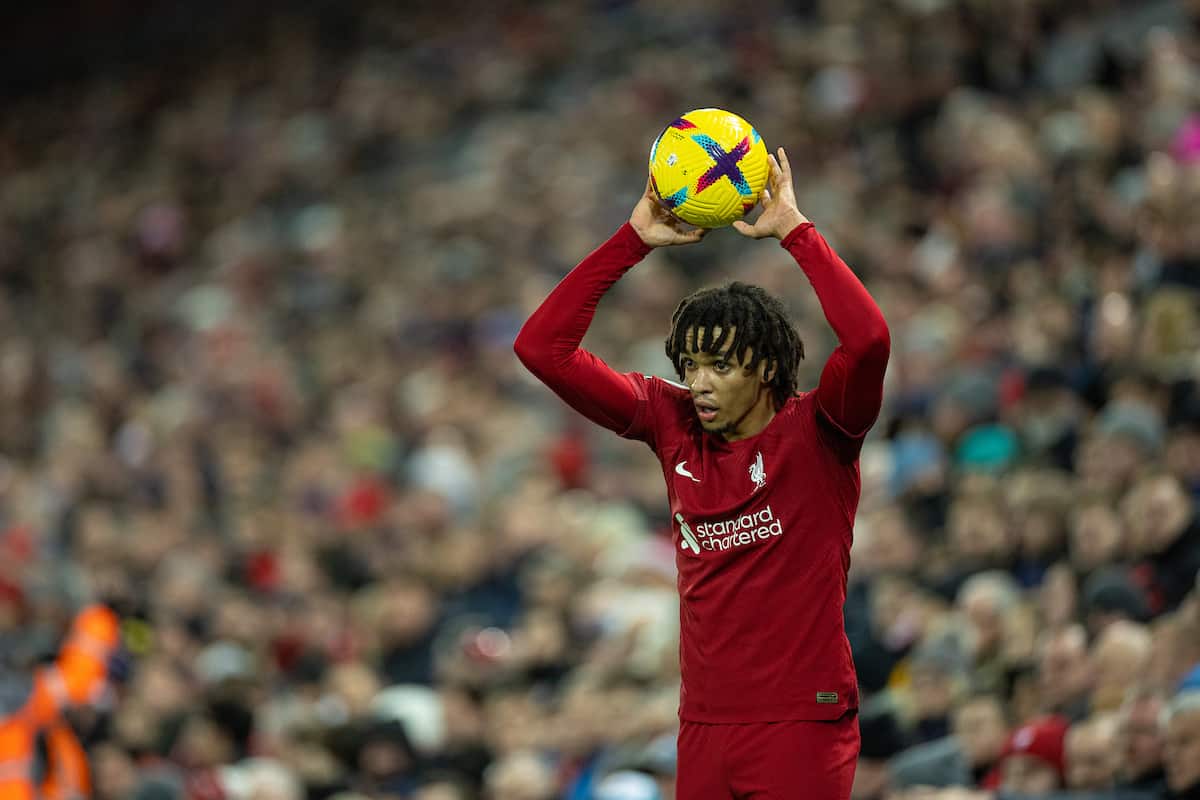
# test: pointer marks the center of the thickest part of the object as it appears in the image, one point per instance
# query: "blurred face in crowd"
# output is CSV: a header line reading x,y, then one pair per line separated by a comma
x,y
1181,751
897,611
1058,596
1064,673
113,772
520,776
160,684
96,534
1107,463
870,779
1156,511
462,559
407,610
136,726
1174,651
1041,531
888,543
1021,627
541,639
1026,774
730,399
1139,736
1026,700
1119,658
1114,329
353,685
1090,754
239,618
933,690
582,719
982,609
1096,536
512,722
441,790
1183,455
978,532
312,763
980,728
462,716
384,759
203,744
549,584
1047,414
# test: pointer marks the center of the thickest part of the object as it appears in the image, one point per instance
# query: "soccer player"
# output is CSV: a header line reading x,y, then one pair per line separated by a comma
x,y
763,483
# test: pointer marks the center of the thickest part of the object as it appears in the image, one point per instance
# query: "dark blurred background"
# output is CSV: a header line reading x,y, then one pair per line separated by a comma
x,y
55,43
261,266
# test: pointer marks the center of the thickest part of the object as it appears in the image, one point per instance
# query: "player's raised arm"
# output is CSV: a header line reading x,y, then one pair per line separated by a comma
x,y
548,344
850,393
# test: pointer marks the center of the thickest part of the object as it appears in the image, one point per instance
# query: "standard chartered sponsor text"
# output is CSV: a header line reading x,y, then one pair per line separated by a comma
x,y
739,531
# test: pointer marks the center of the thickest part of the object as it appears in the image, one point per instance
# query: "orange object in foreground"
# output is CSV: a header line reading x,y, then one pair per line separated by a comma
x,y
77,678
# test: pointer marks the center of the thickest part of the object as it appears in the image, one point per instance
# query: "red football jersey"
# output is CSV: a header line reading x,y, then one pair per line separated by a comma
x,y
762,528
763,525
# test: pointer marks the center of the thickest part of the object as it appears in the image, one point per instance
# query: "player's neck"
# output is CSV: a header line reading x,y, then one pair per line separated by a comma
x,y
754,421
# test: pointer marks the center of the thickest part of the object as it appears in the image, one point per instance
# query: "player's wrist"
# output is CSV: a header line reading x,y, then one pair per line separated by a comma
x,y
642,235
635,239
796,234
790,222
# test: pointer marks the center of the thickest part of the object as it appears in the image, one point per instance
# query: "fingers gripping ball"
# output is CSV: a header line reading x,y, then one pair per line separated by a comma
x,y
708,167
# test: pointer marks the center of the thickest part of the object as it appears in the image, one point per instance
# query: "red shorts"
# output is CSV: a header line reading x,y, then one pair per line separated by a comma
x,y
767,760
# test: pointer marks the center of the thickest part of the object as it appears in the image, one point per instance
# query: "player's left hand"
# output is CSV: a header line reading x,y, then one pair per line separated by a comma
x,y
779,215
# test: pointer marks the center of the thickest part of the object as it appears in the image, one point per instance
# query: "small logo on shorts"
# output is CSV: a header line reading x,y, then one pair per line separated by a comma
x,y
827,697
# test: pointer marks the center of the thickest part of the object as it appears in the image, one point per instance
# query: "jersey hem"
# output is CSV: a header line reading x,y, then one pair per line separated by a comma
x,y
826,714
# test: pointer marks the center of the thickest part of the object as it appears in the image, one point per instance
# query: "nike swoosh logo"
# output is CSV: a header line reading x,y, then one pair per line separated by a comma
x,y
681,469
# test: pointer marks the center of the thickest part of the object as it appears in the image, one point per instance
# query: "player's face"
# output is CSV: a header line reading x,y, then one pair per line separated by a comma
x,y
730,399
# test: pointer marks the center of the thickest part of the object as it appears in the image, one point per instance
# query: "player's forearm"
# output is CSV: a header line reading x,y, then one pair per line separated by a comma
x,y
850,392
551,336
848,307
548,344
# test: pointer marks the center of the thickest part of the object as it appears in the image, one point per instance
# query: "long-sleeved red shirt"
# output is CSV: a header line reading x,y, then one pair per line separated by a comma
x,y
763,525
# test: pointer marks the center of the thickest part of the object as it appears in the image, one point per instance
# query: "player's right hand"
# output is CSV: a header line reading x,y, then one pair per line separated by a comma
x,y
780,215
658,227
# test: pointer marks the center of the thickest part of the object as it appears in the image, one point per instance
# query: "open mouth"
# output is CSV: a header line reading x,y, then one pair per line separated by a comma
x,y
706,411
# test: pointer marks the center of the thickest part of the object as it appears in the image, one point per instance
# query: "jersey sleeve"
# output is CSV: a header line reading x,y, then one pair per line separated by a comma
x,y
663,411
548,344
850,393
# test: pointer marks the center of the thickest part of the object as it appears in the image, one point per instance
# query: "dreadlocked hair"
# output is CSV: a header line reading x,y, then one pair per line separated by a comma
x,y
759,324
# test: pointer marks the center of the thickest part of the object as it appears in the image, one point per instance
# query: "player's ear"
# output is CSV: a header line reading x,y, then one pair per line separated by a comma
x,y
766,371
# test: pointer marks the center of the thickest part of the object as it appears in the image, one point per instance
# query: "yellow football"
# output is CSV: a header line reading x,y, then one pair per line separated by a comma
x,y
708,167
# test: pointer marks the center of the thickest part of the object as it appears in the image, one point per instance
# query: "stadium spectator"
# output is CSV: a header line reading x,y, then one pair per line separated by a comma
x,y
1033,761
1090,754
1140,739
1181,743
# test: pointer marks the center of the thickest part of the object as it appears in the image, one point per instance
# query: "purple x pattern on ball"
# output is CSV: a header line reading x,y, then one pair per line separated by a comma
x,y
726,164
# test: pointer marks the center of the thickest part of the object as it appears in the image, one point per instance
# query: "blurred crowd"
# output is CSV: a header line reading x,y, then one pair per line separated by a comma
x,y
257,392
